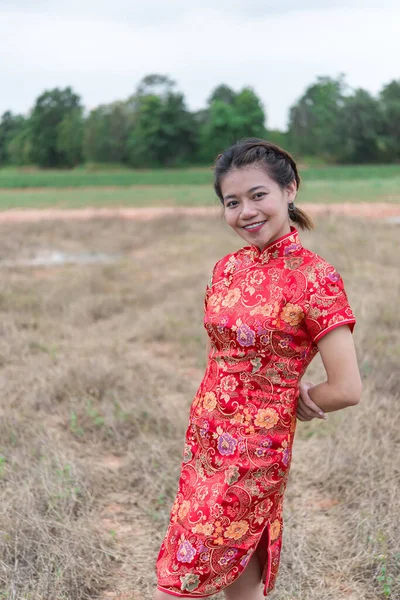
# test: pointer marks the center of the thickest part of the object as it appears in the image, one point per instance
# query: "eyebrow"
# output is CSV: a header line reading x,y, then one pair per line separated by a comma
x,y
250,191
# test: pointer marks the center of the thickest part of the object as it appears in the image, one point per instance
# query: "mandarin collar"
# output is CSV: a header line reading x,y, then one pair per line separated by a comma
x,y
283,246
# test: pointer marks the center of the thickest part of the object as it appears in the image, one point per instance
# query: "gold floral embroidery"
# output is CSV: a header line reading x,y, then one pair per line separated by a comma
x,y
266,417
214,302
266,310
293,262
236,529
228,386
209,401
292,314
230,265
231,298
204,528
256,277
184,509
275,529
218,528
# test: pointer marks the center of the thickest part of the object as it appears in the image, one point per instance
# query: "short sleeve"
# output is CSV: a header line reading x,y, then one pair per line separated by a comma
x,y
327,305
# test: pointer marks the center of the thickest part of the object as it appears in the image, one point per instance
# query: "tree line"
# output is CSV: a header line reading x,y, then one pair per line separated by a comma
x,y
154,128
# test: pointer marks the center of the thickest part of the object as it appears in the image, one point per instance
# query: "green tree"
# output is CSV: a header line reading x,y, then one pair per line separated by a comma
x,y
359,128
11,126
19,145
154,85
250,115
51,109
95,141
107,131
70,138
228,121
164,131
390,106
312,120
219,131
223,93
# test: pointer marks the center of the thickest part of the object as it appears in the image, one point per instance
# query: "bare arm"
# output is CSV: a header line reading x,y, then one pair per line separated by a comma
x,y
343,385
307,410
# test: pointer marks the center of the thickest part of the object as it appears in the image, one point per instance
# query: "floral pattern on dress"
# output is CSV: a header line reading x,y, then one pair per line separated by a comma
x,y
264,312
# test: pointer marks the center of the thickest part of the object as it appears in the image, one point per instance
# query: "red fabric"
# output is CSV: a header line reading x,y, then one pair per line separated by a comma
x,y
264,312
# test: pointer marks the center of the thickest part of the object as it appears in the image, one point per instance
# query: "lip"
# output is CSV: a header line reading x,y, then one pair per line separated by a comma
x,y
254,229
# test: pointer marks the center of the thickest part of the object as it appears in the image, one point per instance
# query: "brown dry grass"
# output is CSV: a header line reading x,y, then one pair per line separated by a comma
x,y
99,364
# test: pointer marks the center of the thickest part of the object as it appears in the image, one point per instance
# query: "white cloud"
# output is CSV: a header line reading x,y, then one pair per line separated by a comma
x,y
103,49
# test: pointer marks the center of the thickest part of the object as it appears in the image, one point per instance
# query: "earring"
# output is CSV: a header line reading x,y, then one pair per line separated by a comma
x,y
292,207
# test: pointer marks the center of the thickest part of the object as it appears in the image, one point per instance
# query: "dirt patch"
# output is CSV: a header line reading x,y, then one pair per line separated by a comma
x,y
378,210
84,214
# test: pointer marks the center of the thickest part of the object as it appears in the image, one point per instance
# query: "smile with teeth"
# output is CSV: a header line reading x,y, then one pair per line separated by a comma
x,y
255,225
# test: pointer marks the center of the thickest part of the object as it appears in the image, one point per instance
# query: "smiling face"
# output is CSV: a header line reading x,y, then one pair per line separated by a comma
x,y
255,206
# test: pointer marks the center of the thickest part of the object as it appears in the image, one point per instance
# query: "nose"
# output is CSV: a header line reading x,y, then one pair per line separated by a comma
x,y
249,210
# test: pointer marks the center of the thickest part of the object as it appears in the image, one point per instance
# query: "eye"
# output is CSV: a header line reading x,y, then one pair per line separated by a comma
x,y
259,195
231,204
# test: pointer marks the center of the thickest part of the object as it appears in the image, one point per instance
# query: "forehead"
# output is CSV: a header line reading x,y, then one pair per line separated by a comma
x,y
240,181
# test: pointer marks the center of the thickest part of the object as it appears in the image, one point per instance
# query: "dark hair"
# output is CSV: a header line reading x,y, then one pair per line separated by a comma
x,y
279,164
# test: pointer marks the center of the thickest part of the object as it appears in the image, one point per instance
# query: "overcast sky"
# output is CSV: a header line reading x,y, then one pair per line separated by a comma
x,y
102,48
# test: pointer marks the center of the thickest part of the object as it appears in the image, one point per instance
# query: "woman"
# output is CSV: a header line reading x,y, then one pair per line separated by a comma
x,y
269,308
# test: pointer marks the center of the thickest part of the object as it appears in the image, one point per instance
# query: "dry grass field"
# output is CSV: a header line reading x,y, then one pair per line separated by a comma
x,y
98,366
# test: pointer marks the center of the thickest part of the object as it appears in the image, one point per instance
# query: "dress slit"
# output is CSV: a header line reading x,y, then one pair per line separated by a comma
x,y
263,550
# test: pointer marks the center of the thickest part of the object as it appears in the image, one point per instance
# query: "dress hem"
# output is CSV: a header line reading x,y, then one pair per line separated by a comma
x,y
350,322
265,571
166,591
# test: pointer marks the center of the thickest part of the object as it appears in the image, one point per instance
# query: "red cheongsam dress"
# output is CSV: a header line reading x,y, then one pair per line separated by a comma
x,y
265,311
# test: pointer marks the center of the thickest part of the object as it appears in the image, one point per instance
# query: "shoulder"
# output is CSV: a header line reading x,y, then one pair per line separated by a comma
x,y
317,269
231,263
